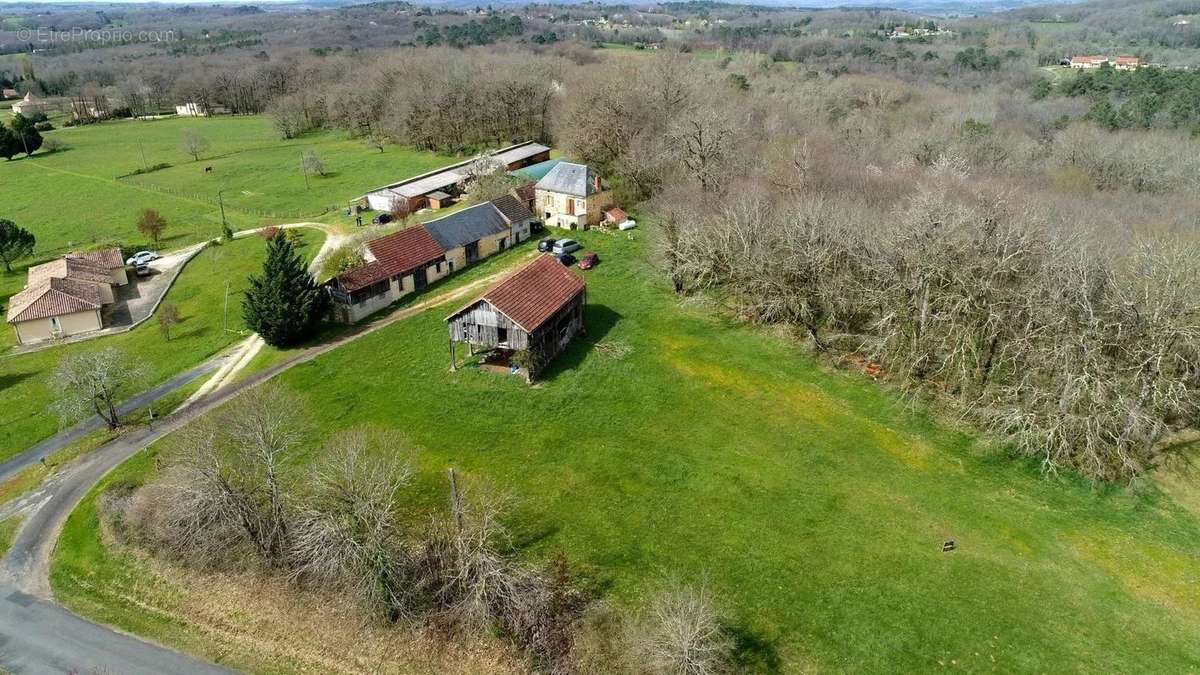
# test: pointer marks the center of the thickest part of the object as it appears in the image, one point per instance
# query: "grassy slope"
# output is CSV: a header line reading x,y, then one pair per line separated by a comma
x,y
73,198
199,292
814,503
8,531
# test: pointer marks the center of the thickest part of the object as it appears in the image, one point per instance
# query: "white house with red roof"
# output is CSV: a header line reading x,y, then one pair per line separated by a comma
x,y
1088,62
63,297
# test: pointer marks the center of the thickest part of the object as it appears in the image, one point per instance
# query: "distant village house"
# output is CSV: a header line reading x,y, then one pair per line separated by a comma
x,y
192,109
1094,62
30,105
1127,63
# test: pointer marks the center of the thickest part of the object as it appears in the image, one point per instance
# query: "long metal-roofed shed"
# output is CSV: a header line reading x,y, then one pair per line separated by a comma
x,y
535,312
450,179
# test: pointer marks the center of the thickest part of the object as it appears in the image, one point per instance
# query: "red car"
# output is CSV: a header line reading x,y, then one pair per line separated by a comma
x,y
588,261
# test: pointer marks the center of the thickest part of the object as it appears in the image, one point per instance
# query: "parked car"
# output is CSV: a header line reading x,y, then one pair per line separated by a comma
x,y
143,270
382,219
589,260
546,244
565,246
142,258
566,259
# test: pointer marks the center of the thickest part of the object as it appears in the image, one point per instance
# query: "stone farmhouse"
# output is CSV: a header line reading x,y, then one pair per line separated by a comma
x,y
572,196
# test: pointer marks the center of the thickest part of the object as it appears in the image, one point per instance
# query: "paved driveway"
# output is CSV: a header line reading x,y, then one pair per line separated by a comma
x,y
137,299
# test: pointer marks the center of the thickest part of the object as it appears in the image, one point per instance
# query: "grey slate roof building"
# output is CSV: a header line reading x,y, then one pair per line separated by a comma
x,y
466,226
513,209
577,180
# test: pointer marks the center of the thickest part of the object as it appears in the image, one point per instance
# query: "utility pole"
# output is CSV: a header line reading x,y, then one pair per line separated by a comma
x,y
226,324
221,201
455,501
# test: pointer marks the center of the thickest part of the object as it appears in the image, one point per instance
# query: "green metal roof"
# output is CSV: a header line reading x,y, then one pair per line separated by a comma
x,y
537,171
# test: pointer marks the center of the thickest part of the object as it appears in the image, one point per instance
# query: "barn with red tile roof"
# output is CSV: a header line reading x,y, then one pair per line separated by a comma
x,y
396,265
535,311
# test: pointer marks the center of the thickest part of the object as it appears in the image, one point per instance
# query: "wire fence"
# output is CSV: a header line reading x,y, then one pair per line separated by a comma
x,y
216,203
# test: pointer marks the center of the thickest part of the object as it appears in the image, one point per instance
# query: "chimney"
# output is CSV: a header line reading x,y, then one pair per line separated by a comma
x,y
596,182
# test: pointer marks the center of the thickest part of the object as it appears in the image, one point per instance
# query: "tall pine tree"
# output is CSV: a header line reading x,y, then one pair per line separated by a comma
x,y
283,305
8,142
26,136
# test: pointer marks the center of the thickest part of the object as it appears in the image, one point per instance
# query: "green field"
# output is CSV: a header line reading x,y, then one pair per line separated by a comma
x,y
813,502
199,292
74,197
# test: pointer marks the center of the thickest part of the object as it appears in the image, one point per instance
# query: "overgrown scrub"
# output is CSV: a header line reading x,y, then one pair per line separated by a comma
x,y
229,501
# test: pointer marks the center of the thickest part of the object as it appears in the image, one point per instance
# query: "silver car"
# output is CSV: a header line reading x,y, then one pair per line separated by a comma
x,y
142,258
565,246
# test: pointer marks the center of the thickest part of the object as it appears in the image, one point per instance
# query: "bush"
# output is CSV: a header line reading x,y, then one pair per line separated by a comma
x,y
146,169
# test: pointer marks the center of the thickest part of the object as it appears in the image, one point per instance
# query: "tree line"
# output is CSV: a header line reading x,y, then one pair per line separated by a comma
x,y
949,256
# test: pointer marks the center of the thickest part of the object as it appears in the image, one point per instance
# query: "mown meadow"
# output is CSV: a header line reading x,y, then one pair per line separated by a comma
x,y
672,441
85,193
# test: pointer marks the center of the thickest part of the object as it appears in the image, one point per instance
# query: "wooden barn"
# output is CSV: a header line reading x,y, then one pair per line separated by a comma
x,y
523,321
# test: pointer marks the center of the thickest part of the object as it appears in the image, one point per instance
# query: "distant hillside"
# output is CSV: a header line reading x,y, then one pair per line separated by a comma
x,y
941,7
937,7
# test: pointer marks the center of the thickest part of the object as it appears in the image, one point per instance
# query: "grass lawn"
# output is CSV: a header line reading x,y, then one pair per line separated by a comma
x,y
199,292
8,531
813,502
74,198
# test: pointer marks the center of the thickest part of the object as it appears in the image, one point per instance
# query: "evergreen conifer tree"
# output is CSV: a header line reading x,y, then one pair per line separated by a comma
x,y
283,305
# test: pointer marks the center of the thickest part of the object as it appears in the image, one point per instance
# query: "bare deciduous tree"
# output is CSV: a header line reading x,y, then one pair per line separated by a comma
x,y
227,498
193,144
311,163
347,533
94,382
168,318
151,224
680,634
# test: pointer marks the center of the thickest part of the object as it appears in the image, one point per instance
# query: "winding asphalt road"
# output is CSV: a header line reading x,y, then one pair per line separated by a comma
x,y
39,636
35,453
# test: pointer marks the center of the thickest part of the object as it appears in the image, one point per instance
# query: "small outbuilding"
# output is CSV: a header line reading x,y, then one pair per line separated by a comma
x,y
439,200
525,320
